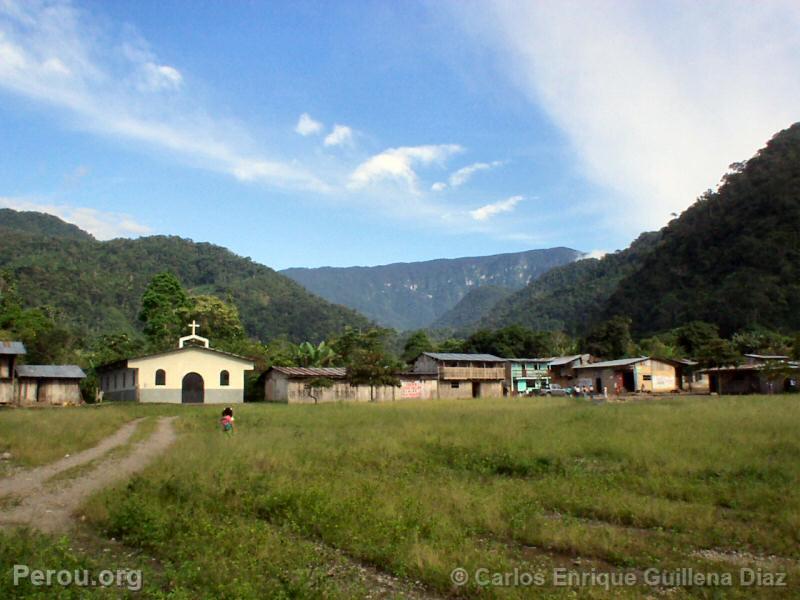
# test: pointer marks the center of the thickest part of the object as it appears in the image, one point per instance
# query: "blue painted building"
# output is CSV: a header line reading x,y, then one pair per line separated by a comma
x,y
525,375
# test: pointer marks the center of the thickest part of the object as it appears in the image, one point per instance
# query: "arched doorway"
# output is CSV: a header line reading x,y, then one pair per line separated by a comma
x,y
192,389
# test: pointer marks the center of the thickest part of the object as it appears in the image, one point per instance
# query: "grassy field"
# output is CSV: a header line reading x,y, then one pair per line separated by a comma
x,y
303,499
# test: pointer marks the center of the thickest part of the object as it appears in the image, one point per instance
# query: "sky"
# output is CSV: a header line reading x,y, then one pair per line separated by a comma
x,y
368,132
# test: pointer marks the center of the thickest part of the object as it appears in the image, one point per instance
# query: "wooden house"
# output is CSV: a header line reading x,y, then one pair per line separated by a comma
x,y
294,385
562,368
43,385
9,355
760,374
625,375
463,375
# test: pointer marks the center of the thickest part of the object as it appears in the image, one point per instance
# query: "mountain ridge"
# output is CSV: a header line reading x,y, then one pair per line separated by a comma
x,y
412,295
97,286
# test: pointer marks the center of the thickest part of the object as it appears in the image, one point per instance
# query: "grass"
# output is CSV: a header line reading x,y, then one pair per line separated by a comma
x,y
143,431
37,436
417,489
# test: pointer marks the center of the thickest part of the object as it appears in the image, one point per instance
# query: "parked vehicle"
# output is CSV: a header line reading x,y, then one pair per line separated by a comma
x,y
553,390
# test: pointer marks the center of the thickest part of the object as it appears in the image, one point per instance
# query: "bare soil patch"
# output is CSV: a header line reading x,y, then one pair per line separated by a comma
x,y
50,510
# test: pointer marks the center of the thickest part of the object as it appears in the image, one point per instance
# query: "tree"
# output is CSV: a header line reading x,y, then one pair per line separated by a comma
x,y
368,362
451,345
762,341
717,353
217,319
309,355
693,336
514,341
41,329
165,308
346,344
315,386
610,339
417,343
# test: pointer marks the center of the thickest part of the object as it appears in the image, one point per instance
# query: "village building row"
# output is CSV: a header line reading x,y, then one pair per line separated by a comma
x,y
36,385
434,375
195,373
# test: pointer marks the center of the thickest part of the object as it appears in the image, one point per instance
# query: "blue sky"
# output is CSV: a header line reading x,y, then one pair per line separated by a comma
x,y
342,133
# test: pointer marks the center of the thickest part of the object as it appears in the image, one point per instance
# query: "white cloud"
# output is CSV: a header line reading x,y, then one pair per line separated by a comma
x,y
439,186
593,254
101,224
161,77
463,175
341,134
656,99
54,54
502,206
307,126
397,164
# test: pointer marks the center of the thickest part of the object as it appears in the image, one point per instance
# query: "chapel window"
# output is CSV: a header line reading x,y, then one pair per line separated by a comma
x,y
161,377
224,378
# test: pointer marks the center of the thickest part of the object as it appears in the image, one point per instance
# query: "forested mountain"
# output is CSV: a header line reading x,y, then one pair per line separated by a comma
x,y
97,286
572,297
413,295
40,223
731,259
472,308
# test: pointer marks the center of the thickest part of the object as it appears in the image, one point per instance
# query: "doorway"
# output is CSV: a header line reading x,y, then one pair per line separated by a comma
x,y
192,390
476,389
627,381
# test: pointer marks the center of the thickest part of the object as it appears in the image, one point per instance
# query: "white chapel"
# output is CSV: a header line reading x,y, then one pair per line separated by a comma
x,y
192,373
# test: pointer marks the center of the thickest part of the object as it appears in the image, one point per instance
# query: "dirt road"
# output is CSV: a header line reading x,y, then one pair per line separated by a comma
x,y
50,509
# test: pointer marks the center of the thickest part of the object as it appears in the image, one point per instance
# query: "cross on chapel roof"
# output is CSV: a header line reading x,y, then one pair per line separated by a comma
x,y
194,327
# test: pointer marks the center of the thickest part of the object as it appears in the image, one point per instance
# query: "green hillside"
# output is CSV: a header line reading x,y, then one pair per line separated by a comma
x,y
472,308
731,259
572,297
97,286
40,223
414,295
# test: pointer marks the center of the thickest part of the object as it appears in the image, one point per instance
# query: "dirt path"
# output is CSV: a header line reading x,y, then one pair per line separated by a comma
x,y
22,483
51,510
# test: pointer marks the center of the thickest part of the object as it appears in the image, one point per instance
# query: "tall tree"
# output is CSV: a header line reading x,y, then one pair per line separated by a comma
x,y
717,353
218,320
165,308
368,362
417,343
610,339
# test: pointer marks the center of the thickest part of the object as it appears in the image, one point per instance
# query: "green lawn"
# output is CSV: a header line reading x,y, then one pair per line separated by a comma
x,y
416,489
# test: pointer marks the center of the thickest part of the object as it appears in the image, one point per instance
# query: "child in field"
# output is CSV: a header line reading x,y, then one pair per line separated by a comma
x,y
227,421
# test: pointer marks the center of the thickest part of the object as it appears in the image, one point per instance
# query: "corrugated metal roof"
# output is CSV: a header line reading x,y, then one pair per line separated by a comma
x,y
537,360
621,362
684,361
768,356
748,367
464,357
331,372
51,371
12,348
558,361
